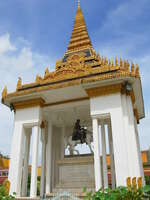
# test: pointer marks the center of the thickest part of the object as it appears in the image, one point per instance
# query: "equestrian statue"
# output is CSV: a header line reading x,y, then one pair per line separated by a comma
x,y
80,136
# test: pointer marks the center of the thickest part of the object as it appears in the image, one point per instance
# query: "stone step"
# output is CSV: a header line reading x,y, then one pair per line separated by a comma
x,y
58,196
27,198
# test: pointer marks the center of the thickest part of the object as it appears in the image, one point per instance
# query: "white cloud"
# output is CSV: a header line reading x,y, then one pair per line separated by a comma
x,y
16,59
22,60
5,44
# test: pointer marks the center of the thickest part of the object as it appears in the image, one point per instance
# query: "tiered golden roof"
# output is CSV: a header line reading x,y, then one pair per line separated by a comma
x,y
80,64
80,38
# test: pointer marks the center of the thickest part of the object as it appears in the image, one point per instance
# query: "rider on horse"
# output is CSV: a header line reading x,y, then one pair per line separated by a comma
x,y
79,133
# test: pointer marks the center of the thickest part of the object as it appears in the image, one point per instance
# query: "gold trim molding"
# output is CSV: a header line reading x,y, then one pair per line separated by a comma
x,y
105,90
28,103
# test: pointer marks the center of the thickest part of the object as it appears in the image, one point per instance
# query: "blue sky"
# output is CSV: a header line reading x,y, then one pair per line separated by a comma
x,y
35,33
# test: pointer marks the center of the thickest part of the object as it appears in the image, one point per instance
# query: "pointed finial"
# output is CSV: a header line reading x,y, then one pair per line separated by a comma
x,y
46,72
137,71
128,182
78,3
121,63
116,61
103,61
98,56
112,63
37,78
134,183
4,92
106,61
109,62
127,66
139,181
19,83
133,68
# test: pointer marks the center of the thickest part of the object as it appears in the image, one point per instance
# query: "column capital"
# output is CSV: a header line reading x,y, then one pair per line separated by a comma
x,y
102,122
94,117
109,123
101,116
31,124
28,132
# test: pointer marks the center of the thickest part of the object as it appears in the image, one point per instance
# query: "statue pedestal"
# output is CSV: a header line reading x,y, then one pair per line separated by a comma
x,y
75,173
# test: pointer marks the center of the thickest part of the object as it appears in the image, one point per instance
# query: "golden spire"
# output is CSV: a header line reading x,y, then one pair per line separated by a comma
x,y
80,39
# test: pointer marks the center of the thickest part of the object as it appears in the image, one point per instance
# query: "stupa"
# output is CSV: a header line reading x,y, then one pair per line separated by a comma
x,y
107,98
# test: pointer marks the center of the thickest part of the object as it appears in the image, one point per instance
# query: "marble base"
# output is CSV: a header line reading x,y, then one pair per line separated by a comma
x,y
75,173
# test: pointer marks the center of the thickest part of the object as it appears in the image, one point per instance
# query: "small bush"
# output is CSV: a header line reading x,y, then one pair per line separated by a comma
x,y
120,193
147,180
4,192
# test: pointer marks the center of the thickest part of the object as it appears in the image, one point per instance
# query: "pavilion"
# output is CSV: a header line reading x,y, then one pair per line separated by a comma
x,y
105,95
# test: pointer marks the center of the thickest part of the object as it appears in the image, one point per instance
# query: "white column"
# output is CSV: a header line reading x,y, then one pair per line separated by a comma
x,y
49,159
105,172
62,142
33,188
119,142
15,169
43,164
97,163
126,133
139,152
26,161
133,156
112,164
